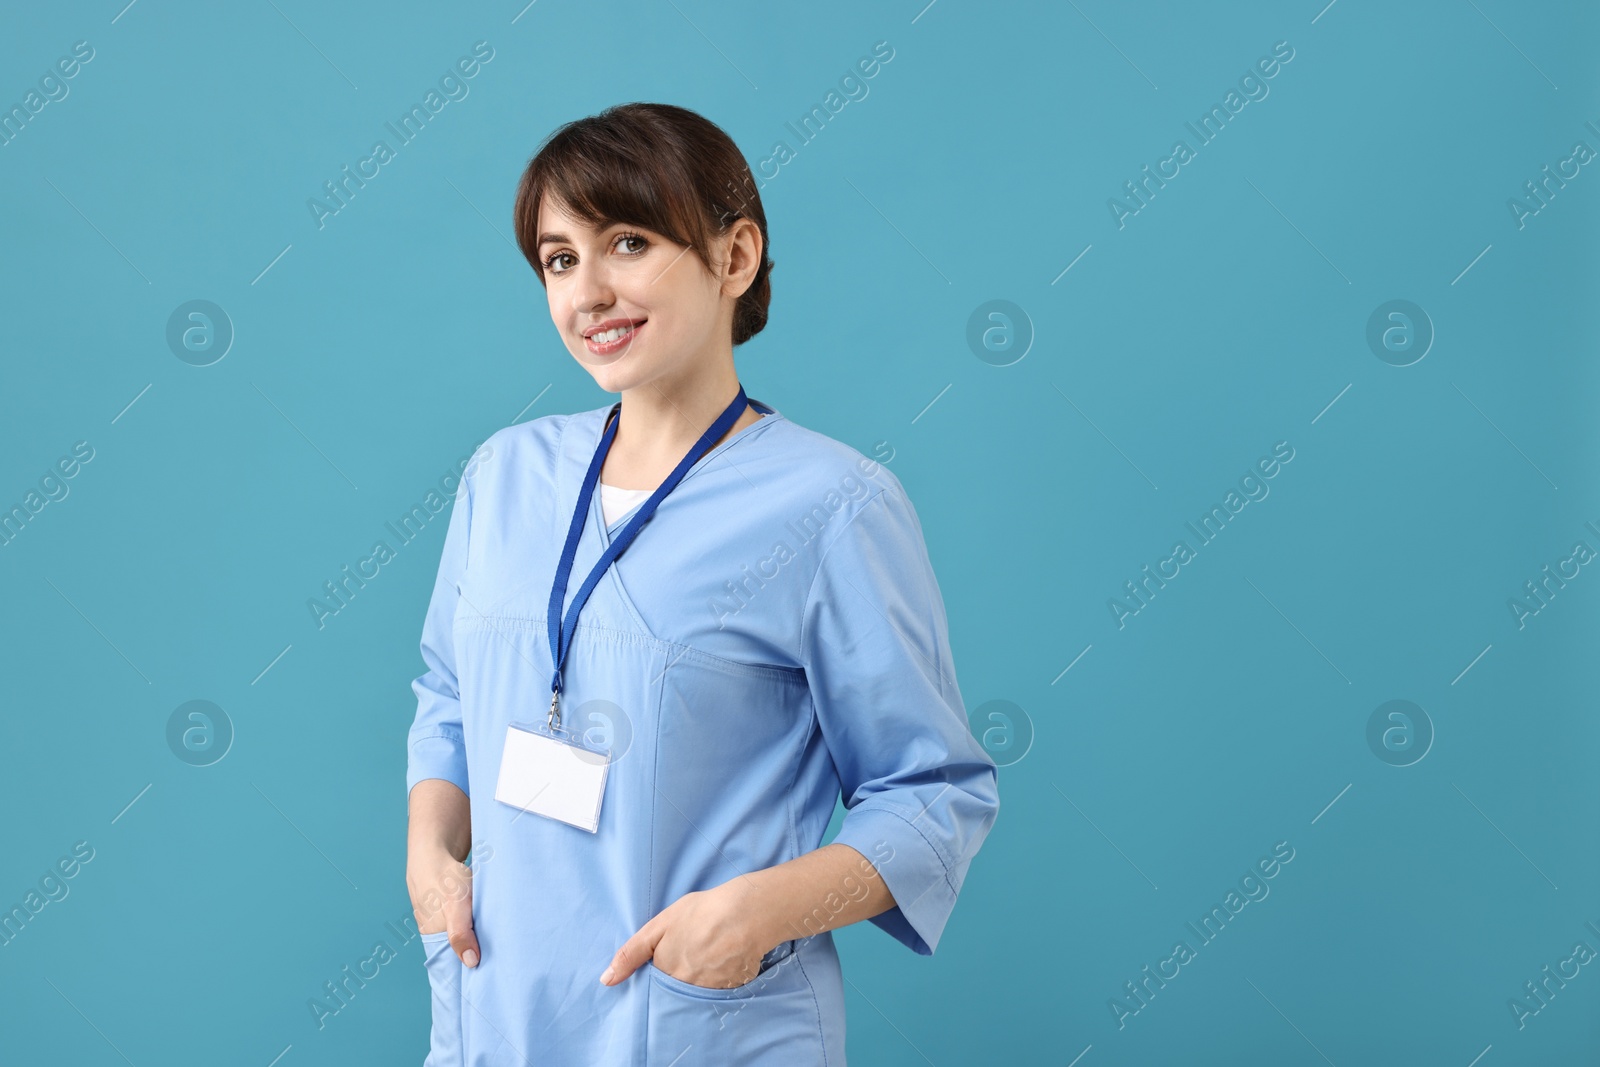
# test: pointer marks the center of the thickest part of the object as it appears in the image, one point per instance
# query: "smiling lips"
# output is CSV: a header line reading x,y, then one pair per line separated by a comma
x,y
612,336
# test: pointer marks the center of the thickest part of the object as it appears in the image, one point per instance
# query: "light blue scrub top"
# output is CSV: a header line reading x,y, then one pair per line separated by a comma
x,y
773,638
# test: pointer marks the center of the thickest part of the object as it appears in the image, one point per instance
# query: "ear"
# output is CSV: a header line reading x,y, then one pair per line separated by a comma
x,y
743,249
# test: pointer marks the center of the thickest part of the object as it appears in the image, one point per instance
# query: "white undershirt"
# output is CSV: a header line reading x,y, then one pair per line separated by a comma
x,y
616,502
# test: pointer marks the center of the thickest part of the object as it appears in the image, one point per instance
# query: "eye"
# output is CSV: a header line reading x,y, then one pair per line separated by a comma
x,y
642,244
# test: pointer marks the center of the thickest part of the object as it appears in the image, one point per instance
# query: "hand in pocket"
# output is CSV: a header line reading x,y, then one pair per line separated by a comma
x,y
441,899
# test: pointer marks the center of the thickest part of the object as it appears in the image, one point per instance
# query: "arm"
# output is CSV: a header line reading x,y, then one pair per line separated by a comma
x,y
732,925
824,889
921,793
440,819
439,828
438,837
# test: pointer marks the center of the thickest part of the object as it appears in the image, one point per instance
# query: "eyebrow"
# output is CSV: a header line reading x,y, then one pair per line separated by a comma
x,y
562,239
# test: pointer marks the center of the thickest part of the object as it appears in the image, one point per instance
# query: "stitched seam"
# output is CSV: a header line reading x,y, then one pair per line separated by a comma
x,y
822,1039
794,776
449,733
822,559
605,633
466,553
811,730
650,880
938,853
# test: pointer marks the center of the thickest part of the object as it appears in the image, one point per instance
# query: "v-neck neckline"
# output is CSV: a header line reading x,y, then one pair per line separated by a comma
x,y
597,510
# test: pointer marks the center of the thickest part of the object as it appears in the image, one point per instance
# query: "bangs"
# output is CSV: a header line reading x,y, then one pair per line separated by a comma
x,y
604,180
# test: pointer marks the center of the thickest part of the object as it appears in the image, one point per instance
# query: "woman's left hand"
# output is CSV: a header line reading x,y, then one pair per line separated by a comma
x,y
706,938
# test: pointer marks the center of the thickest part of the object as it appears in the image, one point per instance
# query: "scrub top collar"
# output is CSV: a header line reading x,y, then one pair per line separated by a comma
x,y
770,415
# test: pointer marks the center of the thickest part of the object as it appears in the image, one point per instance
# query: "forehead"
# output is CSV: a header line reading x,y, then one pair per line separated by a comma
x,y
553,212
556,223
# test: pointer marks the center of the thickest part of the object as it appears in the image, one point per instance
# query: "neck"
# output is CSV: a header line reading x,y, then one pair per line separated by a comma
x,y
662,420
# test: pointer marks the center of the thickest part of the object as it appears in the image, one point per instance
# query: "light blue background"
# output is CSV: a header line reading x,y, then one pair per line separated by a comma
x,y
1228,315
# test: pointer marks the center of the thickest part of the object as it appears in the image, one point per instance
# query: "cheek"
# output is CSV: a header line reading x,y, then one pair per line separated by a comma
x,y
675,281
648,286
687,308
561,315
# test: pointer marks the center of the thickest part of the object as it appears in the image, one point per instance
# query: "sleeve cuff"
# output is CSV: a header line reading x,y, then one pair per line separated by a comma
x,y
441,754
922,885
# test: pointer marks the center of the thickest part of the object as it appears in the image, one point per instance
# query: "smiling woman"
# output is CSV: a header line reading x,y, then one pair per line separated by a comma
x,y
661,891
578,168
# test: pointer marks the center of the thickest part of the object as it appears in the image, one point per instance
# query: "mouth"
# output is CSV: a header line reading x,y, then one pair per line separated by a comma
x,y
611,337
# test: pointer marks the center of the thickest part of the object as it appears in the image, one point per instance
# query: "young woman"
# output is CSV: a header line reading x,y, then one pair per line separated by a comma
x,y
647,749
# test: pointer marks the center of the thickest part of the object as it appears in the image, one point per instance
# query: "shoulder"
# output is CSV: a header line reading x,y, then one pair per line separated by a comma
x,y
538,435
826,485
515,452
816,461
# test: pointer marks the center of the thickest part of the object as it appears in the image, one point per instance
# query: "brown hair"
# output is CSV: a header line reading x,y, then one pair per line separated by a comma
x,y
662,167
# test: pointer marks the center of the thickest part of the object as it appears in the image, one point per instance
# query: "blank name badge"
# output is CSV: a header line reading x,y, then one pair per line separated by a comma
x,y
552,777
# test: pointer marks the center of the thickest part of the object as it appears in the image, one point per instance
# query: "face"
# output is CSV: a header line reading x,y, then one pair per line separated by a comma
x,y
632,306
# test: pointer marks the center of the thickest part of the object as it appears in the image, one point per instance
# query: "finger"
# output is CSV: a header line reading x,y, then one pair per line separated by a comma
x,y
458,920
465,942
466,945
631,956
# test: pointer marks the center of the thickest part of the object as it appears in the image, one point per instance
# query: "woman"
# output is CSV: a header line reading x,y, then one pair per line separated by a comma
x,y
648,748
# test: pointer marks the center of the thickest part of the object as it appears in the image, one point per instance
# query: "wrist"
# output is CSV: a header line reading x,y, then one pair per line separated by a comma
x,y
754,905
430,854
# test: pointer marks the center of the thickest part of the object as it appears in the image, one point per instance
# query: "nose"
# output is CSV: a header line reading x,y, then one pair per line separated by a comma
x,y
591,289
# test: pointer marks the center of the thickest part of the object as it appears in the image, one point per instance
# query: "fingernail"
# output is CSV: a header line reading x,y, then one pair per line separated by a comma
x,y
605,978
470,957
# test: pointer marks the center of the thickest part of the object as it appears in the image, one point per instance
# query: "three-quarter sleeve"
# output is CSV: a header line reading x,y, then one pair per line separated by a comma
x,y
920,791
435,746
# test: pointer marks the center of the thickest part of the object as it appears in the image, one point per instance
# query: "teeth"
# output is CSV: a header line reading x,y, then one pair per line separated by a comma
x,y
605,337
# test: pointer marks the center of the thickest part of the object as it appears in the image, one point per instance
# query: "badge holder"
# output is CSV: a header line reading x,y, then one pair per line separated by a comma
x,y
549,771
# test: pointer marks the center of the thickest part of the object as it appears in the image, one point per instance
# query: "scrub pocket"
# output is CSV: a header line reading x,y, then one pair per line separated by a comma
x,y
444,976
770,1021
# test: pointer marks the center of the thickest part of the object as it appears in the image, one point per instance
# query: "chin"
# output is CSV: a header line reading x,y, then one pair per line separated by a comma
x,y
624,371
612,378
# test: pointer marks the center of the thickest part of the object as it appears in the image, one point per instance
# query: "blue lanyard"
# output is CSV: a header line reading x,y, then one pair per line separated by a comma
x,y
561,634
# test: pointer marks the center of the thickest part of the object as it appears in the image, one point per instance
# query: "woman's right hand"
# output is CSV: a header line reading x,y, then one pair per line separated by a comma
x,y
441,899
439,883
